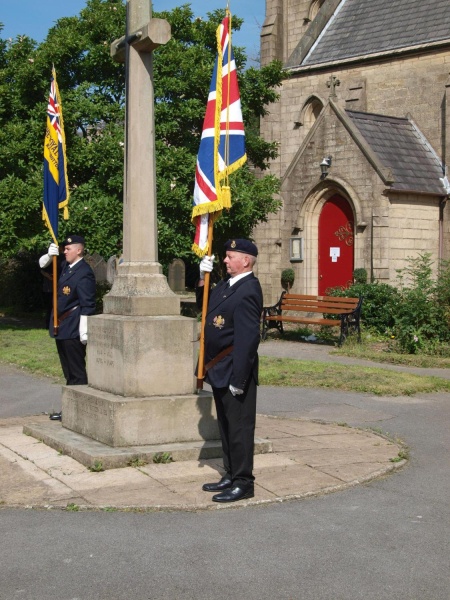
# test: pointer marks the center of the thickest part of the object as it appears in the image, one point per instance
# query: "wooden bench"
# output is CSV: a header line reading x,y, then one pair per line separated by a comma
x,y
347,309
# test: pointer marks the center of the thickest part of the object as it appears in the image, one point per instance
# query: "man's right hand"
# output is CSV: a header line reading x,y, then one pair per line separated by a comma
x,y
46,259
206,266
53,250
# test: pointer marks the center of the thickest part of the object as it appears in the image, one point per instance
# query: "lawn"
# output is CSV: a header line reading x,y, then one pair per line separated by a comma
x,y
30,348
314,374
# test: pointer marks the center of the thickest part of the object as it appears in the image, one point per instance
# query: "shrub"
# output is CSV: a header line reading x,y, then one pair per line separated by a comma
x,y
21,282
287,278
379,305
360,276
421,318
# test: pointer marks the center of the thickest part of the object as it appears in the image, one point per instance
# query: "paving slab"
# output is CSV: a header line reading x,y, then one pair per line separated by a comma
x,y
306,458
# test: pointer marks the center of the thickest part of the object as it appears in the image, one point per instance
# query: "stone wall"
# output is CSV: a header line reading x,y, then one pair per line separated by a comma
x,y
413,229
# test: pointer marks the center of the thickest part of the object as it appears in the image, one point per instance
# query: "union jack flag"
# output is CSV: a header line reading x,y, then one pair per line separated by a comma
x,y
222,146
53,109
56,185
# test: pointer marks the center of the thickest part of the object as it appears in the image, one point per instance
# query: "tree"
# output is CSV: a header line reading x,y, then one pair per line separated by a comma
x,y
92,91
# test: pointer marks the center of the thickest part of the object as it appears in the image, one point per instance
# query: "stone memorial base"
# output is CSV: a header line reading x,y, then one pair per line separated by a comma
x,y
99,456
118,421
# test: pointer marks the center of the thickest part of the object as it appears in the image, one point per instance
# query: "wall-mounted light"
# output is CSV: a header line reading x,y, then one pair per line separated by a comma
x,y
324,167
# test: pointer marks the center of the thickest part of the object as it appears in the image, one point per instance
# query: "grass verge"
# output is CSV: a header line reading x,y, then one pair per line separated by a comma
x,y
394,358
32,349
313,374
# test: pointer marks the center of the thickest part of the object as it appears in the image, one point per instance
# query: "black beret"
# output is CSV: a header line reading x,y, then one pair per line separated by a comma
x,y
73,239
245,246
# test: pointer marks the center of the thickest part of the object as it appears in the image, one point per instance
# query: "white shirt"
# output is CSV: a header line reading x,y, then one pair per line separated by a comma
x,y
233,280
74,263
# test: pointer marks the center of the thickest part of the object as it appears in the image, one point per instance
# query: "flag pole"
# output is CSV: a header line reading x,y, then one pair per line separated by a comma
x,y
201,357
227,203
55,298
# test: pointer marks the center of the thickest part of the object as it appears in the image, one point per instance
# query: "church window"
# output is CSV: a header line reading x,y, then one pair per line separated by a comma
x,y
314,9
309,113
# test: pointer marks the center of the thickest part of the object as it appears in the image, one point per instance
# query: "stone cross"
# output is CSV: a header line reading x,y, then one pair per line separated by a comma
x,y
135,49
333,83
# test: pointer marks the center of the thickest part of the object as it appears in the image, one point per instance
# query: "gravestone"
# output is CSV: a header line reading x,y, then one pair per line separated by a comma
x,y
177,275
111,267
98,265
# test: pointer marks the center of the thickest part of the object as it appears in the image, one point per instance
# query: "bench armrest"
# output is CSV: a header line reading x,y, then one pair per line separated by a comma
x,y
270,311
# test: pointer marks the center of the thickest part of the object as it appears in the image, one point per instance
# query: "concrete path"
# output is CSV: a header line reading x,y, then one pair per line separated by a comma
x,y
385,539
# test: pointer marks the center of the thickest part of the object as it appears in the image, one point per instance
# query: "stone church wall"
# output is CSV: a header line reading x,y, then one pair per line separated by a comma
x,y
414,86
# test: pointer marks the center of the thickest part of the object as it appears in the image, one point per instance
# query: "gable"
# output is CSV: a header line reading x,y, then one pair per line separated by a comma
x,y
360,28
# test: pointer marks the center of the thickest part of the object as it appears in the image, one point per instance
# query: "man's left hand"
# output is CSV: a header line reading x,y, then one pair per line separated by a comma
x,y
83,329
235,391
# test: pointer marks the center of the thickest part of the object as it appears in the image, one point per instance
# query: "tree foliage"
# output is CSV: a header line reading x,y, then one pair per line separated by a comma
x,y
92,91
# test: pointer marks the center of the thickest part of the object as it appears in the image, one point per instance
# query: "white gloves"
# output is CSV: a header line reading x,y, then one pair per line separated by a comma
x,y
53,250
206,266
83,329
46,259
235,391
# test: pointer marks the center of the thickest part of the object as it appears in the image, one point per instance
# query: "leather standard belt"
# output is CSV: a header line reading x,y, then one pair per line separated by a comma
x,y
66,314
218,358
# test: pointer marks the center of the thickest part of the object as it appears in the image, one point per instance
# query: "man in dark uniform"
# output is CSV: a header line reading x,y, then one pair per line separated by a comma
x,y
232,335
75,301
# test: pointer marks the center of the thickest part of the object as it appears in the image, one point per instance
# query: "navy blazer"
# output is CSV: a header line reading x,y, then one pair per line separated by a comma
x,y
233,319
76,287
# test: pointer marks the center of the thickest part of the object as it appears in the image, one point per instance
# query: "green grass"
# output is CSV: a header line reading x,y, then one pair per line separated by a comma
x,y
314,374
32,349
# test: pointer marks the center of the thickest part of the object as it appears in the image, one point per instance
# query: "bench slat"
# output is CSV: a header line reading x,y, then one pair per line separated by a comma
x,y
331,322
322,298
320,309
305,303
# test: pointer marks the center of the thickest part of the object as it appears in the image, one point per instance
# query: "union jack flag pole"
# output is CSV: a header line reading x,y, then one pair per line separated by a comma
x,y
56,185
222,151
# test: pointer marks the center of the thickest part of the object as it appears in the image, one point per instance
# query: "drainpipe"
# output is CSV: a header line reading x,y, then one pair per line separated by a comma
x,y
442,203
371,250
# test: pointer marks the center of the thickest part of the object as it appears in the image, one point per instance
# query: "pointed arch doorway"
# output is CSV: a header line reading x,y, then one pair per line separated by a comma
x,y
336,244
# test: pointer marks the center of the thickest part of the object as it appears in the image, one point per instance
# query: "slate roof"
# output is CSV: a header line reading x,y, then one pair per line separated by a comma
x,y
400,146
362,27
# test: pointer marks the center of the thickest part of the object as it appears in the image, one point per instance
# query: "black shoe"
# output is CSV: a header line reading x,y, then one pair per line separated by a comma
x,y
224,484
56,416
234,494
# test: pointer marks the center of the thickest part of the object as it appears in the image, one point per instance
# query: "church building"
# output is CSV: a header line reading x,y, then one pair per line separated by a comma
x,y
363,125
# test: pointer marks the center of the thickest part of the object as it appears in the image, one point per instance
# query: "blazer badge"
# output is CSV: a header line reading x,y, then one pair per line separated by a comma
x,y
66,290
219,322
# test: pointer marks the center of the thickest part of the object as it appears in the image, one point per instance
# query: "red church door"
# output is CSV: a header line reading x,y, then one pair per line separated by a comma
x,y
336,239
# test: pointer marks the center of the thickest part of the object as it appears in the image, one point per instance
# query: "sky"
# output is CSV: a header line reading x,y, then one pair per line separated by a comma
x,y
35,17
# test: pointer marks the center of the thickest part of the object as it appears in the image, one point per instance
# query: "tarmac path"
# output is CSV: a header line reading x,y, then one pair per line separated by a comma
x,y
387,539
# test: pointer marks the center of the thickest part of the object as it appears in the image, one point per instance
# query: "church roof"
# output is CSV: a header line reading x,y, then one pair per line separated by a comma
x,y
364,27
400,146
